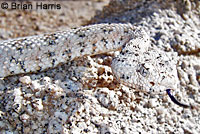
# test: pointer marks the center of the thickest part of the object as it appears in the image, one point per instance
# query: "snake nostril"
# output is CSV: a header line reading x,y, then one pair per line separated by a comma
x,y
152,83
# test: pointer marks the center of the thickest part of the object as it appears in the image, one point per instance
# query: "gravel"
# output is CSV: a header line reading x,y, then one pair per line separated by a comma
x,y
83,96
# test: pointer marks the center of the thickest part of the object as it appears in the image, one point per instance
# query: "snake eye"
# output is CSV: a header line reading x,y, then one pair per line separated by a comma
x,y
173,99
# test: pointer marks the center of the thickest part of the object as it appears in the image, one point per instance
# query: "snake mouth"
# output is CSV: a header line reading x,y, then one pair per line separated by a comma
x,y
173,99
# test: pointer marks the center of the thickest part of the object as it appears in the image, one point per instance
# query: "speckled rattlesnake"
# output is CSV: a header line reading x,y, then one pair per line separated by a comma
x,y
138,65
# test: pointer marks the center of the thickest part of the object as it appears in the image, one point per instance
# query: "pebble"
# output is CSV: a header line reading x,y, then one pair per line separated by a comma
x,y
25,79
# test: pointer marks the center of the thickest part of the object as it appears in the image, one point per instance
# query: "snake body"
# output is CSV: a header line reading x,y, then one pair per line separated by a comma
x,y
139,65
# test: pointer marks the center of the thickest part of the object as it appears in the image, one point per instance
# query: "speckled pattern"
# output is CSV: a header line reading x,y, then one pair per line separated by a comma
x,y
151,72
83,95
37,53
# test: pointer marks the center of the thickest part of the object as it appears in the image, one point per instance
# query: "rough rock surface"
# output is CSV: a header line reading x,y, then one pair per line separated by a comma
x,y
20,23
83,96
